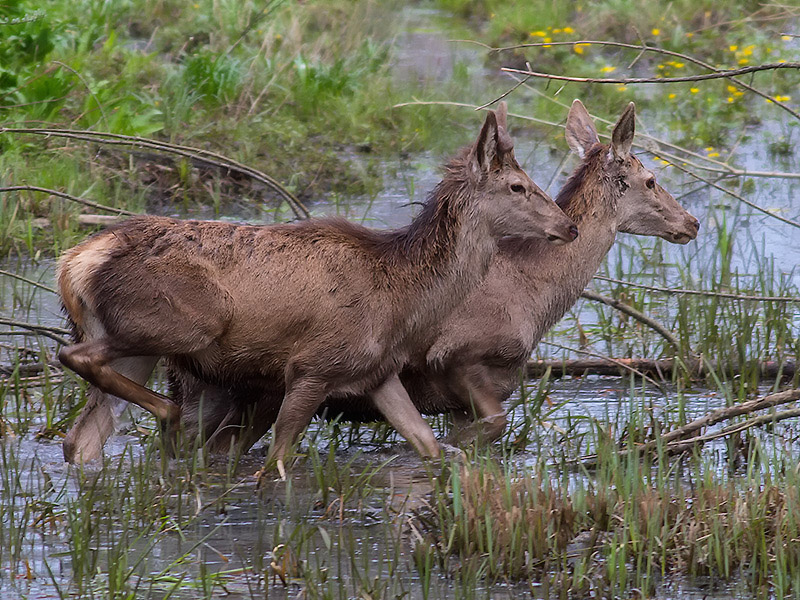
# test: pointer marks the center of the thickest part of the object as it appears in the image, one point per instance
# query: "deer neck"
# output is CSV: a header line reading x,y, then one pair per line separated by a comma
x,y
554,276
447,251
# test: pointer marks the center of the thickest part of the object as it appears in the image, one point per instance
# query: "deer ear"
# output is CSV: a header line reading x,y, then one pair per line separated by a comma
x,y
492,145
581,133
622,136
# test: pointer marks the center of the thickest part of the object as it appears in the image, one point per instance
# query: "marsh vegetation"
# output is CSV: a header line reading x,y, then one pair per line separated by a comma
x,y
349,107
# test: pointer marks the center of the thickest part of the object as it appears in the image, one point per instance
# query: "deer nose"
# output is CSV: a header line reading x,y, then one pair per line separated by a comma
x,y
573,231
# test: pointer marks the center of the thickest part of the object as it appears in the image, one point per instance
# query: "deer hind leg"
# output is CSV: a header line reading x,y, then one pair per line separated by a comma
x,y
93,361
246,423
98,419
392,399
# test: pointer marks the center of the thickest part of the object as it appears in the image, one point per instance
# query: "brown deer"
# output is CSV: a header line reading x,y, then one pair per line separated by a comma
x,y
304,311
473,365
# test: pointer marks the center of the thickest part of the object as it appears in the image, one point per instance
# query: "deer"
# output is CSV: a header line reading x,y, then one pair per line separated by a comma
x,y
307,310
473,364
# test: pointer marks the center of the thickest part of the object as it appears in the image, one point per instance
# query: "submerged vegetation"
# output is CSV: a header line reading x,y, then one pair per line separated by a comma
x,y
347,106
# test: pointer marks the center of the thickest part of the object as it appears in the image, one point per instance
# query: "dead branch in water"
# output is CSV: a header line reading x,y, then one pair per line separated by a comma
x,y
730,74
196,154
673,443
662,368
688,292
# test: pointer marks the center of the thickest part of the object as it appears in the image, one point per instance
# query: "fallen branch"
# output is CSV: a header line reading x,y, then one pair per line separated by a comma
x,y
722,74
622,364
662,368
655,49
672,444
197,154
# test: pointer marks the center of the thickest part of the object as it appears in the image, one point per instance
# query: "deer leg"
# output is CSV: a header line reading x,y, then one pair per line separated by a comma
x,y
392,400
475,387
303,397
97,421
91,360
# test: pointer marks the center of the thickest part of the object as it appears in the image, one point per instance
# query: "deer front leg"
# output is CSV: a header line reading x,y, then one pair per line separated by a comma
x,y
392,400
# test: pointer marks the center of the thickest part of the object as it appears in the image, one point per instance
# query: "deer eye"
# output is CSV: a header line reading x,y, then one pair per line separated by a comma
x,y
650,183
517,188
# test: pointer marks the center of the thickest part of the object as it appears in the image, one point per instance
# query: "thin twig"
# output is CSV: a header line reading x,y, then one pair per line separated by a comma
x,y
656,49
28,281
197,154
724,74
632,312
89,203
54,333
739,197
688,292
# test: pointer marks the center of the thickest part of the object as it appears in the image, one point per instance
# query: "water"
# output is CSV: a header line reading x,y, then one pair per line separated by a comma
x,y
231,526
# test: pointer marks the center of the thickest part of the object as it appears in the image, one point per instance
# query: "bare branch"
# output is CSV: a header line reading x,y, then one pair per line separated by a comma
x,y
197,154
54,333
28,281
89,203
688,292
632,312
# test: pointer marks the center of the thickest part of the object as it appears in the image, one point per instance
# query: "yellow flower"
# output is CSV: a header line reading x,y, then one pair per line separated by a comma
x,y
678,65
780,99
578,48
732,88
713,154
690,35
733,48
557,30
656,31
569,30
540,34
608,69
672,96
743,61
786,38
709,148
622,88
749,50
694,90
730,99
